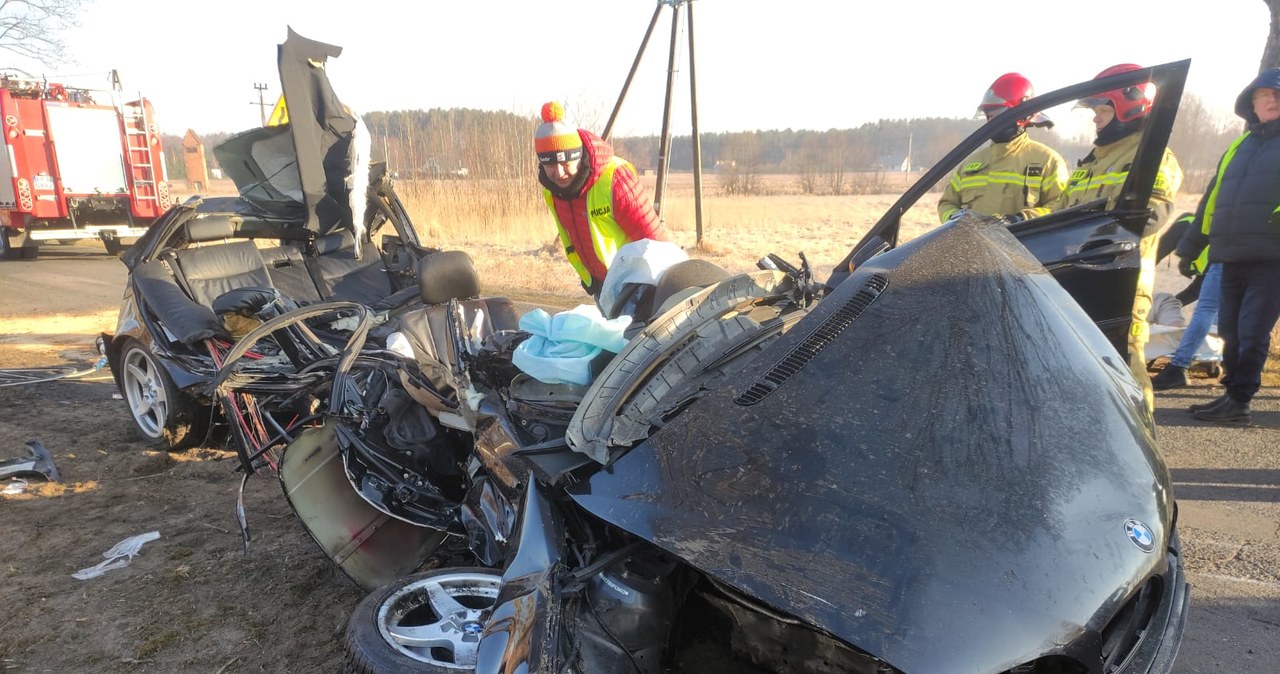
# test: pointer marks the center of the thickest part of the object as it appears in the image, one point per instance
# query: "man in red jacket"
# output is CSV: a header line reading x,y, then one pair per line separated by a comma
x,y
595,196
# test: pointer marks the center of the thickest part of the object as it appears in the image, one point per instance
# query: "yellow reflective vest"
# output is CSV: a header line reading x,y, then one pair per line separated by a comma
x,y
1021,176
1201,263
607,236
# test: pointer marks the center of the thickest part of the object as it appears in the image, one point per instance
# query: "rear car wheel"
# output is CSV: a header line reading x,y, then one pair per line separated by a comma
x,y
162,414
427,622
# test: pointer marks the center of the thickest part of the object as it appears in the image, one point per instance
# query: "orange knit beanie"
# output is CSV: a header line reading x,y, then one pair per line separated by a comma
x,y
555,139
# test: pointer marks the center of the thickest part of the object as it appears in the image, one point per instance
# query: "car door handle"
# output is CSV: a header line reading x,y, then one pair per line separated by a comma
x,y
1100,254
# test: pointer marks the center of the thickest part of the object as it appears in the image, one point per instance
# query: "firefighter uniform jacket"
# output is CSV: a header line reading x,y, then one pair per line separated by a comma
x,y
608,211
1021,177
1101,176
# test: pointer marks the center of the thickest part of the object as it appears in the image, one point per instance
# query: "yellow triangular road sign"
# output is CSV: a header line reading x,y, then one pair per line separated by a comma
x,y
279,114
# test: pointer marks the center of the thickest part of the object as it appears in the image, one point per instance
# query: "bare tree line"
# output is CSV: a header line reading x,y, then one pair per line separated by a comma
x,y
474,145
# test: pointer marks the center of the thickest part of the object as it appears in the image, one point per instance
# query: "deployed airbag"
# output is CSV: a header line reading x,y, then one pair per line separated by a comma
x,y
563,347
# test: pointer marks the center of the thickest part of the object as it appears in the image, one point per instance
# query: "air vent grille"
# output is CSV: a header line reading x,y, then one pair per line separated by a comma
x,y
815,342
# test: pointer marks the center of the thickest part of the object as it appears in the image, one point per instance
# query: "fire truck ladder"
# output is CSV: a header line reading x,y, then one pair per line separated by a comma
x,y
142,175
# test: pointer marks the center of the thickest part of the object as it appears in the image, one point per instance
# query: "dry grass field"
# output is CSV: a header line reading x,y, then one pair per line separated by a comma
x,y
518,253
509,233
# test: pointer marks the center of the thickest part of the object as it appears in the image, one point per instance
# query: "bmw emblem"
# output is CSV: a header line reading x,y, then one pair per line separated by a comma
x,y
1140,534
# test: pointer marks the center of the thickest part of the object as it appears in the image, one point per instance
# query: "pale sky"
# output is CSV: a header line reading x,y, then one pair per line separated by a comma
x,y
801,64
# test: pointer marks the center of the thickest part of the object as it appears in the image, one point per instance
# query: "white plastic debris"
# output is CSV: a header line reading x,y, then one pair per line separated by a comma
x,y
118,556
398,343
15,486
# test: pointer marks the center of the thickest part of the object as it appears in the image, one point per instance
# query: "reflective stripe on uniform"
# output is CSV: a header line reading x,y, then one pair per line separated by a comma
x,y
1097,182
996,178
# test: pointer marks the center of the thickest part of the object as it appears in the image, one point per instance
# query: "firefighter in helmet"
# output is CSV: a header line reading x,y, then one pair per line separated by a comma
x,y
1118,117
1014,176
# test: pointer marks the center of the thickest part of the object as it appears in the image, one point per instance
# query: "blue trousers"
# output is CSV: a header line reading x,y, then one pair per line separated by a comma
x,y
1203,318
1249,310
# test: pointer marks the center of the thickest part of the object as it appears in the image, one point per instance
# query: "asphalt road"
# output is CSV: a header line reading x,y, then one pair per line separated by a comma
x,y
71,279
1226,479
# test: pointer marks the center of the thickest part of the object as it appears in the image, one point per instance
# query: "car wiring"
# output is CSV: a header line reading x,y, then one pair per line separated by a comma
x,y
19,376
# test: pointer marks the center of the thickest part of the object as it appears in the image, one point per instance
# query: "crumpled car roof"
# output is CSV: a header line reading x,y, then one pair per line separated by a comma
x,y
302,169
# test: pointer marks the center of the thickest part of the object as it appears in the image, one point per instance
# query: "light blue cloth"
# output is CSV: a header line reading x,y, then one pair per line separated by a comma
x,y
1202,318
563,346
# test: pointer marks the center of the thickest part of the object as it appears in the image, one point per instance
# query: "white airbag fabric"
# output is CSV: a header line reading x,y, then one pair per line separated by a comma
x,y
562,346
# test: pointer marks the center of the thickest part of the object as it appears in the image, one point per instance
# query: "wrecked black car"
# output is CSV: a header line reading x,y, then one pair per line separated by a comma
x,y
315,221
935,460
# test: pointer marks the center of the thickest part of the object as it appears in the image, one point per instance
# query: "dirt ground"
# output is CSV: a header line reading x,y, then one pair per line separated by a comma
x,y
192,600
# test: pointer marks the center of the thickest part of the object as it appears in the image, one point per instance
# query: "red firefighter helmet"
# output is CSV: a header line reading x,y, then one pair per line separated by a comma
x,y
1130,103
1008,91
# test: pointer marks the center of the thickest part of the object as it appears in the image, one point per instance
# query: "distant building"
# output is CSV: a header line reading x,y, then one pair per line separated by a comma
x,y
194,162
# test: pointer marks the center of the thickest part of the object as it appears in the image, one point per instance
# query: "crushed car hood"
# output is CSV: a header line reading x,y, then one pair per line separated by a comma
x,y
304,167
930,471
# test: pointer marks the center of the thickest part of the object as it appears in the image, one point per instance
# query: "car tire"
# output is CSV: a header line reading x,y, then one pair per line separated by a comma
x,y
447,602
162,415
691,341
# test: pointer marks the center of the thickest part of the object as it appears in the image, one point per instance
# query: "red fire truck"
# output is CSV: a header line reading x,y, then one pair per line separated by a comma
x,y
77,164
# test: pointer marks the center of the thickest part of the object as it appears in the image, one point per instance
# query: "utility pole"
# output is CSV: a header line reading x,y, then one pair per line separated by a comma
x,y
262,103
664,148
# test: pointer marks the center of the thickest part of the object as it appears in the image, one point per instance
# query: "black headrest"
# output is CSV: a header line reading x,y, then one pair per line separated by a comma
x,y
212,227
447,275
244,301
691,273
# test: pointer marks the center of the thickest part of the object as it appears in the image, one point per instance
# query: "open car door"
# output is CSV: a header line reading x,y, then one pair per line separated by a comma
x,y
1092,248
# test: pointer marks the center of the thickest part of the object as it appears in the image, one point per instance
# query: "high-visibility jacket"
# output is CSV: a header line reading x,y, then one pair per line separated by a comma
x,y
1199,236
1022,176
1192,233
1101,175
609,211
1240,213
